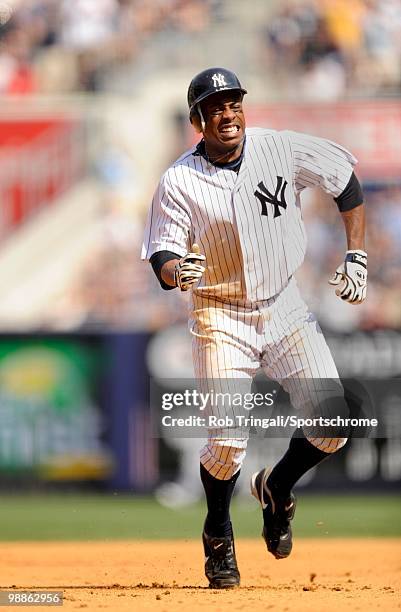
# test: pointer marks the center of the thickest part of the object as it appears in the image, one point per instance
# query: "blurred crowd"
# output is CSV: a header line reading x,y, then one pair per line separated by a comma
x,y
314,49
115,290
56,46
323,49
326,244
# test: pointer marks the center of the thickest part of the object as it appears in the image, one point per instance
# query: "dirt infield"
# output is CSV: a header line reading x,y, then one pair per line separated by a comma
x,y
320,575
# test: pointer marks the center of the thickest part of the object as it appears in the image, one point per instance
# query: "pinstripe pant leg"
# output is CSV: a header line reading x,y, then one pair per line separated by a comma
x,y
297,354
224,363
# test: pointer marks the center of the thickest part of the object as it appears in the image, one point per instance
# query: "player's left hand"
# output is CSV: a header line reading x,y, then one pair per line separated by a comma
x,y
351,277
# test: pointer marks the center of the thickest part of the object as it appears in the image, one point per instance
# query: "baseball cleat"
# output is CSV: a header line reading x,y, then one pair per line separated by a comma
x,y
220,563
277,515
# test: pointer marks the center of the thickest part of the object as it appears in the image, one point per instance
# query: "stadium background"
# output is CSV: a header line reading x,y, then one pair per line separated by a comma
x,y
92,111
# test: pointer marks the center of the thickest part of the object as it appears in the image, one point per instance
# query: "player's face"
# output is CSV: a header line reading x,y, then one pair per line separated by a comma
x,y
224,123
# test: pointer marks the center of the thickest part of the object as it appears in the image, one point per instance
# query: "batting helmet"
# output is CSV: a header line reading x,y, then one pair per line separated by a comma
x,y
209,82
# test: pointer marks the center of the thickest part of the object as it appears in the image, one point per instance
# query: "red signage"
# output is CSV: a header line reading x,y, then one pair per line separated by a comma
x,y
39,160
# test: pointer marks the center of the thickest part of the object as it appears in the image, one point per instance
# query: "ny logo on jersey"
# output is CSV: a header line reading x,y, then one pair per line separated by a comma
x,y
219,80
264,196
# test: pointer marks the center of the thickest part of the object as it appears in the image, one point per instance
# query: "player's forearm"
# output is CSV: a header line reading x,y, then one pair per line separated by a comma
x,y
354,223
167,272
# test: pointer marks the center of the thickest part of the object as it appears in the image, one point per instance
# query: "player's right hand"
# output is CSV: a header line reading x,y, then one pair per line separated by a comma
x,y
351,277
189,269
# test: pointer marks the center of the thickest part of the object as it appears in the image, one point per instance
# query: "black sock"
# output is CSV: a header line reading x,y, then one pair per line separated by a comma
x,y
300,457
218,498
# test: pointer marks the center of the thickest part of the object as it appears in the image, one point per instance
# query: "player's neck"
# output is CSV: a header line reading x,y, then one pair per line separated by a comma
x,y
224,158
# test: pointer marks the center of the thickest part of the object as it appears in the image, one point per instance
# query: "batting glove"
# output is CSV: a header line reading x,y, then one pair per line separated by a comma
x,y
351,277
189,269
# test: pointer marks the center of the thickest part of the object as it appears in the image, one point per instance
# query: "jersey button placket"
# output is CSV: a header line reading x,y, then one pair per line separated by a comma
x,y
248,265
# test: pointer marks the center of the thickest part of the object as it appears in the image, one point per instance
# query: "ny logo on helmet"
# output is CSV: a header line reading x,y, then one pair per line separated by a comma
x,y
219,80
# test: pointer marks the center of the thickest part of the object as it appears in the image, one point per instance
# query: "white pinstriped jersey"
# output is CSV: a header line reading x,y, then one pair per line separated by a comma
x,y
248,225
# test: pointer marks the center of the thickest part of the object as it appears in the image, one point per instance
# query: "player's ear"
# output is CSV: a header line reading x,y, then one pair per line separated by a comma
x,y
196,122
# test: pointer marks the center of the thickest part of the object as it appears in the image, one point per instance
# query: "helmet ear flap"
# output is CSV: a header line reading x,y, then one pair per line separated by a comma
x,y
196,121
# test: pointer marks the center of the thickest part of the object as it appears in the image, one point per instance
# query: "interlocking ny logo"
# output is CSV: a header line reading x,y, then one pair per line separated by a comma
x,y
264,196
219,80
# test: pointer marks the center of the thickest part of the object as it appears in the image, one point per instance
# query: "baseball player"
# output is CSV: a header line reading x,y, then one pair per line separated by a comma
x,y
226,224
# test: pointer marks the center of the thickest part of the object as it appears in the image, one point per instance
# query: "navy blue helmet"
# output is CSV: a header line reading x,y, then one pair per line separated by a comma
x,y
209,82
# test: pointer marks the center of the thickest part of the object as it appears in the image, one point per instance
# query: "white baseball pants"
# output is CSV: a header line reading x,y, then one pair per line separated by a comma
x,y
280,336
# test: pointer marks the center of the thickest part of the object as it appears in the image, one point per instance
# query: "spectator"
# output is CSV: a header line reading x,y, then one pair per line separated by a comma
x,y
16,71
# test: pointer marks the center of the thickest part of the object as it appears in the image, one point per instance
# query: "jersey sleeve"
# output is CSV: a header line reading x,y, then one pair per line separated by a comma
x,y
320,163
168,224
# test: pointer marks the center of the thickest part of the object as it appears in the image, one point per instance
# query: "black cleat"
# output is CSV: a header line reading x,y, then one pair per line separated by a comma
x,y
220,563
277,515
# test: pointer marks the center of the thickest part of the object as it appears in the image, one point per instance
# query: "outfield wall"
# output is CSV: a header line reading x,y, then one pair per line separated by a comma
x,y
75,411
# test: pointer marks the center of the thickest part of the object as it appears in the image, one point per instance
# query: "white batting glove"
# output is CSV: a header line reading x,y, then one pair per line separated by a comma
x,y
351,277
189,269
